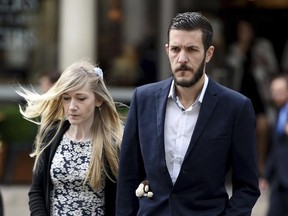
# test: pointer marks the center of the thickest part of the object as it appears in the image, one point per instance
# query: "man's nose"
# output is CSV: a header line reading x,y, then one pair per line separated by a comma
x,y
182,57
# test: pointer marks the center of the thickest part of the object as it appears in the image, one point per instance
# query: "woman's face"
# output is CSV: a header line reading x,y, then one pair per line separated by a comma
x,y
79,106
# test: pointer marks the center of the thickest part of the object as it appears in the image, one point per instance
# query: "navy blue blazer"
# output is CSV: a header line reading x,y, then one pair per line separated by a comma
x,y
224,138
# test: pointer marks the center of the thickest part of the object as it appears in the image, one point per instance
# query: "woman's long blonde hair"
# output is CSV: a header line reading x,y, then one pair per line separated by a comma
x,y
47,111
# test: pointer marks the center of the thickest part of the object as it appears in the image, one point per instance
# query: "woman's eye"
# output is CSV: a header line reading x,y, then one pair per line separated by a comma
x,y
82,99
65,98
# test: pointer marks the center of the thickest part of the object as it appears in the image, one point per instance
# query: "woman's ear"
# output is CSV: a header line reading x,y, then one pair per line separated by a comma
x,y
98,102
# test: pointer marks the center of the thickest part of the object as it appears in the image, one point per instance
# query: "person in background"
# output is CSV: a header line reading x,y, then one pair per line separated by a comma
x,y
1,205
284,58
47,79
184,135
125,68
276,172
77,145
252,60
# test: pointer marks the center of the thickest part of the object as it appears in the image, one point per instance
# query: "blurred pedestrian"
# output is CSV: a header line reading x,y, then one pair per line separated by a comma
x,y
77,145
185,133
284,58
276,172
47,79
1,205
252,61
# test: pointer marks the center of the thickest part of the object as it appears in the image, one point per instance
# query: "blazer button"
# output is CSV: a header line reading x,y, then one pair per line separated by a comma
x,y
173,195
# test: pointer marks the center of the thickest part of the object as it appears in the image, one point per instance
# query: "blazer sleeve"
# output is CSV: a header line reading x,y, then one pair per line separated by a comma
x,y
245,189
131,169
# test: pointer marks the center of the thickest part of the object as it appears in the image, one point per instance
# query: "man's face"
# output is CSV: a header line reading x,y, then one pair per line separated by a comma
x,y
279,92
187,56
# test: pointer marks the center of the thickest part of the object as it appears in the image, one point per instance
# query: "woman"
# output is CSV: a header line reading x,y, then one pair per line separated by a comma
x,y
77,145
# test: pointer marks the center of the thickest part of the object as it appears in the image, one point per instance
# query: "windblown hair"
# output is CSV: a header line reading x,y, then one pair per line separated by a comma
x,y
190,21
47,111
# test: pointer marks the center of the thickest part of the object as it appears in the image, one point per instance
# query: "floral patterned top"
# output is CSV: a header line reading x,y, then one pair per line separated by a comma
x,y
69,196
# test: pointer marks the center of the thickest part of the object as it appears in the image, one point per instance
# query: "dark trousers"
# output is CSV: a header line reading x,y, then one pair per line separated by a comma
x,y
278,201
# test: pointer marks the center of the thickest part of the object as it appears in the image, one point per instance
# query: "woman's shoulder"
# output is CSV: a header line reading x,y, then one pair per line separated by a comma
x,y
56,127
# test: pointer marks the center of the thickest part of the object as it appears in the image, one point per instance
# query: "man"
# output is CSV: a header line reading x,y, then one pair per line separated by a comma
x,y
277,165
184,134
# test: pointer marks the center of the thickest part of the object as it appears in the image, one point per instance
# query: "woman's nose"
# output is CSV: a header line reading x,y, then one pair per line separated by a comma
x,y
72,105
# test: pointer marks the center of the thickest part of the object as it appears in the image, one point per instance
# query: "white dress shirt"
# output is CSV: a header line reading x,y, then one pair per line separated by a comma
x,y
178,129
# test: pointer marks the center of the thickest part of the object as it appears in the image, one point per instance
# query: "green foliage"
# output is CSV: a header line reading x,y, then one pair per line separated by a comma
x,y
122,109
15,129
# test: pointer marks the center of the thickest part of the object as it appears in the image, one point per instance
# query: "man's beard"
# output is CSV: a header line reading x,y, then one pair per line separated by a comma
x,y
197,76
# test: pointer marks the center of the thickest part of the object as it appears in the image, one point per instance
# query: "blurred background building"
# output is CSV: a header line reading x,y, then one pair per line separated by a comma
x,y
125,37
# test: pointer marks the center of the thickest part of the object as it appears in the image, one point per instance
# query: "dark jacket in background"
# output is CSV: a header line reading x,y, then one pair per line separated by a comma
x,y
277,174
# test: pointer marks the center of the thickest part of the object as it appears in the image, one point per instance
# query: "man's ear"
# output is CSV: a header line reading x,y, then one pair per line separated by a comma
x,y
167,48
209,53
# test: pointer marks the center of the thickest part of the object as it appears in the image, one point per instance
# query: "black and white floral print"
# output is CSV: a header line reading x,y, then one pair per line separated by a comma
x,y
69,196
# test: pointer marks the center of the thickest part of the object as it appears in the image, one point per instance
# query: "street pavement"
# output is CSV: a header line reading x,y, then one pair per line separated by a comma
x,y
15,198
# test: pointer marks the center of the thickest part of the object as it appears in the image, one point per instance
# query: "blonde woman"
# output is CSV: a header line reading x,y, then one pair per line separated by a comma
x,y
77,145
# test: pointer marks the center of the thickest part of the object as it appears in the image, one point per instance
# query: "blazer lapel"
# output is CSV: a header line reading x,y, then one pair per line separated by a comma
x,y
207,107
161,101
161,97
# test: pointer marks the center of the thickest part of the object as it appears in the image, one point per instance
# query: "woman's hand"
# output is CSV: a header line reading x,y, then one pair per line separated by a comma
x,y
144,190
